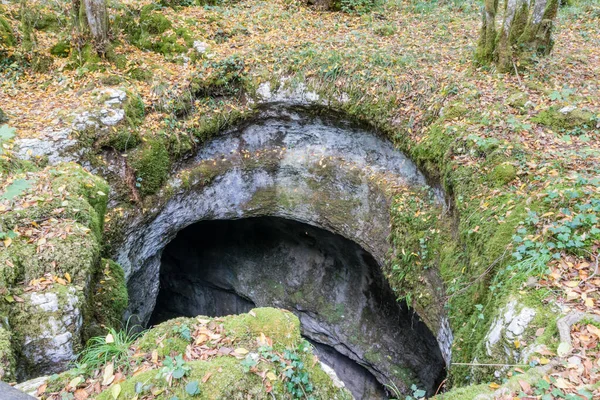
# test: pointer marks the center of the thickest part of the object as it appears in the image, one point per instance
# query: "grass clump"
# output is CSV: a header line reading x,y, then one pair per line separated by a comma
x,y
114,347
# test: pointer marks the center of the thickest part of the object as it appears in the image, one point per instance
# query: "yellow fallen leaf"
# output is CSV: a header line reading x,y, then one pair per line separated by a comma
x,y
589,303
544,361
271,376
241,351
494,385
68,277
517,344
116,391
109,338
75,382
61,281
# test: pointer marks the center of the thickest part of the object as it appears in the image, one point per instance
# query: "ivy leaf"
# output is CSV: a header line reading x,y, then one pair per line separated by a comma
x,y
6,133
178,373
192,388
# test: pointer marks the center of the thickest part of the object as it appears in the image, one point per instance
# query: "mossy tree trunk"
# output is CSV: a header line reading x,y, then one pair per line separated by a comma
x,y
90,18
526,29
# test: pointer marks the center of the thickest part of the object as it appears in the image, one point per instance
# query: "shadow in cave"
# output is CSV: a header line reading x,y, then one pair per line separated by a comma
x,y
345,305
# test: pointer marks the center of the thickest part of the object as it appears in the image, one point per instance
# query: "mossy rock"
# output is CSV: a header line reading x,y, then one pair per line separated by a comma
x,y
229,379
111,80
7,37
564,121
517,100
503,174
7,356
61,49
110,298
152,165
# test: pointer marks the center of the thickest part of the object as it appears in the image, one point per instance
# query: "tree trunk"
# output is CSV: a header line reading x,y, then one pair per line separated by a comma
x,y
97,20
526,29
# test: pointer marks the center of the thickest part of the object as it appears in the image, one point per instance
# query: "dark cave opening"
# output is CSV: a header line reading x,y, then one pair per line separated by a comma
x,y
345,305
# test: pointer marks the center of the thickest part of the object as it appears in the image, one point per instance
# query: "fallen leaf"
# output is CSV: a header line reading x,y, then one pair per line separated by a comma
x,y
494,385
108,375
525,386
109,338
81,394
116,391
41,390
206,377
563,349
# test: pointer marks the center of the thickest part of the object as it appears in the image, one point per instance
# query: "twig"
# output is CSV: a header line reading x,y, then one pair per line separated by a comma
x,y
595,269
488,269
517,72
440,386
490,365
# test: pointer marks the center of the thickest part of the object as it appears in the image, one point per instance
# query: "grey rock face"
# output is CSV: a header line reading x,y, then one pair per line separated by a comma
x,y
60,145
288,163
9,393
56,322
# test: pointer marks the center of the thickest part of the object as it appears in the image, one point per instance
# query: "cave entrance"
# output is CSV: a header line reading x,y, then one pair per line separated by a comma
x,y
345,306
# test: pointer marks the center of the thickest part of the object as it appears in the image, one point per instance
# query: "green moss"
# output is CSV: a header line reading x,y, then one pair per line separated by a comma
x,y
7,37
7,357
503,174
454,111
111,80
123,139
87,56
141,74
135,110
558,121
283,327
151,164
429,154
61,49
110,296
153,22
465,393
49,22
517,100
164,339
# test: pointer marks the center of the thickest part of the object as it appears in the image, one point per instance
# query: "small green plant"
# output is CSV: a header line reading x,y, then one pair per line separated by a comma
x,y
184,331
173,368
357,6
289,364
192,388
114,347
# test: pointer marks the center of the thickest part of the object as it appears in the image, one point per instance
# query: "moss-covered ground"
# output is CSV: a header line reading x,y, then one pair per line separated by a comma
x,y
520,170
255,355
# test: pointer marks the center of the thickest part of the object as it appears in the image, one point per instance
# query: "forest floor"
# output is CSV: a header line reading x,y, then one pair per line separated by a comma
x,y
404,57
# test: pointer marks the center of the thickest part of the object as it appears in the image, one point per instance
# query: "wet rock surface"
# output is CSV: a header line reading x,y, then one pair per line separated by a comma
x,y
336,289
